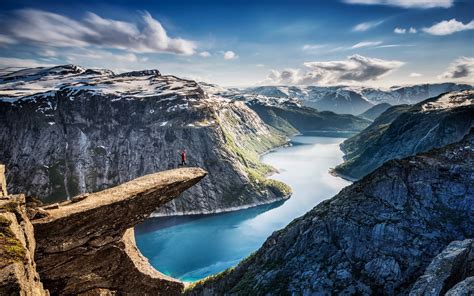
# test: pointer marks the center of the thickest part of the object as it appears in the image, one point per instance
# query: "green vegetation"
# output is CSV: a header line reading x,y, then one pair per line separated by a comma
x,y
219,276
214,277
247,151
11,249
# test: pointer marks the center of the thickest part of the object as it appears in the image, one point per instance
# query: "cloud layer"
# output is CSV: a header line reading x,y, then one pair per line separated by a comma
x,y
406,3
362,27
463,67
448,27
355,68
55,30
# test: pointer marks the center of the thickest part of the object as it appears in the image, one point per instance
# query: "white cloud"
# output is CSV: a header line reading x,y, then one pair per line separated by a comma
x,y
415,74
366,44
448,27
411,30
355,69
309,47
400,31
55,30
366,26
462,67
230,55
405,3
205,54
26,63
260,65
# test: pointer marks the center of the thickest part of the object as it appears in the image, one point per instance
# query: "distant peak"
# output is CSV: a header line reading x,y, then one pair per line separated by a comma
x,y
140,73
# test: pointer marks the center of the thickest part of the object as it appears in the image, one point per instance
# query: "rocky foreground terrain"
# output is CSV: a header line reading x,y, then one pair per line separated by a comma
x,y
383,235
86,246
67,130
405,130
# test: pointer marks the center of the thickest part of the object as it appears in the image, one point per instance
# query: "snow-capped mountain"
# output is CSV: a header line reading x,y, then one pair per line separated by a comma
x,y
352,99
84,130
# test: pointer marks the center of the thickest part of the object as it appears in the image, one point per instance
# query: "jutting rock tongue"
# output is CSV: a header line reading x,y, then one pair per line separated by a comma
x,y
87,244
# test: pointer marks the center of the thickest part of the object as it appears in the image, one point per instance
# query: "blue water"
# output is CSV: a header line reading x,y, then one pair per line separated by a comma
x,y
191,248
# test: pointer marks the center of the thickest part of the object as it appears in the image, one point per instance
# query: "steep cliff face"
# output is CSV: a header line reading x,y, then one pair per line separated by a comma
x,y
400,132
376,237
86,130
359,142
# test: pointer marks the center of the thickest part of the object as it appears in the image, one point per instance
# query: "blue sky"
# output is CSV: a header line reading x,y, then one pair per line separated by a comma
x,y
235,43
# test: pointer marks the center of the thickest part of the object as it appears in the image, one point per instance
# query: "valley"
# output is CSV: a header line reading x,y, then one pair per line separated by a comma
x,y
271,204
193,247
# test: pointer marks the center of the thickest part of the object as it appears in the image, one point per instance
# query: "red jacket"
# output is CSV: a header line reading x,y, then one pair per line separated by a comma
x,y
183,156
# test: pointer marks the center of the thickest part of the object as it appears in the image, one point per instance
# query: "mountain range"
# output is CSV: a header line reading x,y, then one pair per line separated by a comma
x,y
68,130
353,99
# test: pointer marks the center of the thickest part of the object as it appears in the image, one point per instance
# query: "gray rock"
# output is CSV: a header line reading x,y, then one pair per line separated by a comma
x,y
376,237
451,266
464,288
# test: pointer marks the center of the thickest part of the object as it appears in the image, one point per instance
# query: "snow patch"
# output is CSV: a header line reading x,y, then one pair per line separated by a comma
x,y
450,100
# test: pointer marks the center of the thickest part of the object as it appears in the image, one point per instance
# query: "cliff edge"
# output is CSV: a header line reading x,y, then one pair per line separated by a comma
x,y
86,246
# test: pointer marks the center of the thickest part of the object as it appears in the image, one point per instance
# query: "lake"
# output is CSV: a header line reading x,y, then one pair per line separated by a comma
x,y
192,247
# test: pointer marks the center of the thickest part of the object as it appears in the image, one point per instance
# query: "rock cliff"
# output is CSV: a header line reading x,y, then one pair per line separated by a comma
x,y
86,246
376,237
18,275
402,131
68,130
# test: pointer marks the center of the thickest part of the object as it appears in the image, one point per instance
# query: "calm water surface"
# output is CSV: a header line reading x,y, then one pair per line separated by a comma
x,y
191,248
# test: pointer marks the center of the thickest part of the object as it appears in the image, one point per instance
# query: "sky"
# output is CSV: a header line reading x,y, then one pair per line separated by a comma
x,y
377,43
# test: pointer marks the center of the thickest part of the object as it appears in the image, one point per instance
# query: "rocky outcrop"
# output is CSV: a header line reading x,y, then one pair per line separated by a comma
x,y
376,237
3,183
18,275
85,131
87,243
433,123
86,246
454,266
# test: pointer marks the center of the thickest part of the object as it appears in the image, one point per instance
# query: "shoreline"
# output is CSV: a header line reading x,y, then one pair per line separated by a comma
x,y
248,206
219,211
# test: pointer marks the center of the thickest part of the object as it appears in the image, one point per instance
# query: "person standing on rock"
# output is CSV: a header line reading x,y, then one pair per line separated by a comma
x,y
183,158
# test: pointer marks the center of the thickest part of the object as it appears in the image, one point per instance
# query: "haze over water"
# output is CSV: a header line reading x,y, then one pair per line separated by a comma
x,y
191,248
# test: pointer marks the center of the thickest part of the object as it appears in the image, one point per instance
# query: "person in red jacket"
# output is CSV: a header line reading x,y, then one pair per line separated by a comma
x,y
183,157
